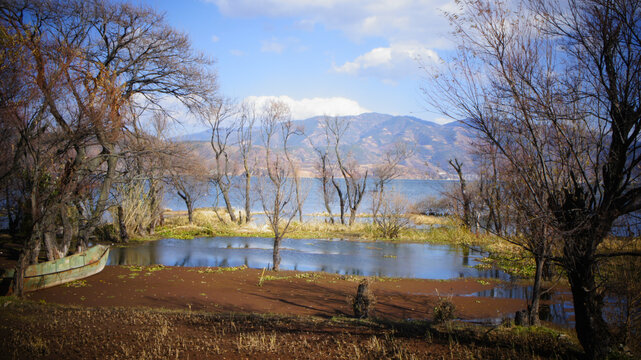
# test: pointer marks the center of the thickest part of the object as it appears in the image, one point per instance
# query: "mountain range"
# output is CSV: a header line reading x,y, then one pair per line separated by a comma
x,y
368,137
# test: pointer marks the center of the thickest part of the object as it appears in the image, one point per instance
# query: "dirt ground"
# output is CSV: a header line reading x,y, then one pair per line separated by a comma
x,y
160,312
284,292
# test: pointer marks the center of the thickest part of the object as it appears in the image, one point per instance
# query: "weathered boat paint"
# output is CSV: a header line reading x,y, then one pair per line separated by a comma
x,y
69,268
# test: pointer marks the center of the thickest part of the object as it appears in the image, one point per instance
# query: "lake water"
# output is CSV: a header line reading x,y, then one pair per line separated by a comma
x,y
406,260
413,190
384,259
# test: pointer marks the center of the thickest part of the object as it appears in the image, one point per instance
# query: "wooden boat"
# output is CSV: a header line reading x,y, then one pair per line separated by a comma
x,y
67,269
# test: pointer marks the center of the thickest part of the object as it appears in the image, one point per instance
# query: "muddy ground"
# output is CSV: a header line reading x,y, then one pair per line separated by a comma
x,y
198,313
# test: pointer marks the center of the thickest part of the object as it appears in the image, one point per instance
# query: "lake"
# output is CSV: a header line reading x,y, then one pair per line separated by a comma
x,y
406,260
383,259
413,190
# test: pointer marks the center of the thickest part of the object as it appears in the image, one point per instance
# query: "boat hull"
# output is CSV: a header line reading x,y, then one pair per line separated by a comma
x,y
69,268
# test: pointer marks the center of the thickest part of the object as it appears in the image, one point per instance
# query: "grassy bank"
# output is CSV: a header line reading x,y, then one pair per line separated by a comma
x,y
208,222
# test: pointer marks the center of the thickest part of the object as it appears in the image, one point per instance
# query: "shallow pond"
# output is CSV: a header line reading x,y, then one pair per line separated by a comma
x,y
384,259
407,260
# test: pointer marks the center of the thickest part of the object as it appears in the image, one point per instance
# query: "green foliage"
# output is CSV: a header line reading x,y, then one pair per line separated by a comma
x,y
517,263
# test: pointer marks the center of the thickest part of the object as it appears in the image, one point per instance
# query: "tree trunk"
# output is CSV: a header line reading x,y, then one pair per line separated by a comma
x,y
276,255
35,251
326,201
49,238
124,236
248,216
230,209
592,330
352,216
83,237
533,310
467,214
378,199
341,201
67,231
190,210
299,198
17,287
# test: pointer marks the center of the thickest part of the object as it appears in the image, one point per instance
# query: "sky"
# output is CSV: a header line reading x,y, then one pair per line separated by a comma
x,y
322,57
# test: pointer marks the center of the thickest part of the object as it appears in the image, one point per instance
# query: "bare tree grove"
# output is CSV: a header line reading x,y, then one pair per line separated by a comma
x,y
70,72
553,87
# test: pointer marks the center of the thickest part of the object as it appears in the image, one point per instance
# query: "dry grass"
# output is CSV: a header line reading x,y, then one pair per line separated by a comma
x,y
207,223
38,331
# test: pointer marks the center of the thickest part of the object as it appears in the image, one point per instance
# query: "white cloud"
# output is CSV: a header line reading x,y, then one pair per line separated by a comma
x,y
390,63
309,107
273,46
397,21
215,38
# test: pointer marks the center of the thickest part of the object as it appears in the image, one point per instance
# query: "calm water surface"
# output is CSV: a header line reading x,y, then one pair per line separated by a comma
x,y
423,261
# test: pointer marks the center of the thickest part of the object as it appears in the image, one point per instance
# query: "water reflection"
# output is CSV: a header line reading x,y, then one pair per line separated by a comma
x,y
423,261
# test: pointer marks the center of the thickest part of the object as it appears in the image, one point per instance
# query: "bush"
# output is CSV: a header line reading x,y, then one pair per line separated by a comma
x,y
106,233
392,217
444,310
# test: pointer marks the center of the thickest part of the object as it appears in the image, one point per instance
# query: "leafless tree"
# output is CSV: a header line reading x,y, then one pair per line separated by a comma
x,y
554,88
465,196
324,170
392,215
87,60
277,189
244,133
215,115
387,171
188,177
352,190
287,131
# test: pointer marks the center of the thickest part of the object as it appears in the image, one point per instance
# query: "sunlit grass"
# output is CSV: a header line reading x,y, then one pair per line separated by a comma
x,y
216,222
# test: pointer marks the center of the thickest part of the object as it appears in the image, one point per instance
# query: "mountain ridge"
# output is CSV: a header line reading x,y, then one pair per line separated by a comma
x,y
370,135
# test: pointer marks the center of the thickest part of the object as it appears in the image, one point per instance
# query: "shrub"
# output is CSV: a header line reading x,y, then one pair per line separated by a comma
x,y
444,310
392,217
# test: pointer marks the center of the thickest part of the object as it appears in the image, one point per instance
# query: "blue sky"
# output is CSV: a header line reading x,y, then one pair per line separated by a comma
x,y
334,57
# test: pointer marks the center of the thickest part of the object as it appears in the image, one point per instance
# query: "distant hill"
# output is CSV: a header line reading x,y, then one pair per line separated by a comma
x,y
371,134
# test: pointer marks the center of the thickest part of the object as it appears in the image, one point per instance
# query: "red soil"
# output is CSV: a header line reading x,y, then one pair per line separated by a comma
x,y
317,294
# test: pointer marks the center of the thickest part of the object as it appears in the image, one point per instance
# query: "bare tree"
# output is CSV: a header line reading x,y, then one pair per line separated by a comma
x,y
87,60
354,179
324,170
215,116
387,171
465,196
245,130
555,89
277,189
392,216
287,131
188,177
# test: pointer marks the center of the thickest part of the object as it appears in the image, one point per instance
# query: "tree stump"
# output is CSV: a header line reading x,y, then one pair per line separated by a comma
x,y
363,302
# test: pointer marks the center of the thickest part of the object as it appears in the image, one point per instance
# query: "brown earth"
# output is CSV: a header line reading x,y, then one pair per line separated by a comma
x,y
283,292
210,313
